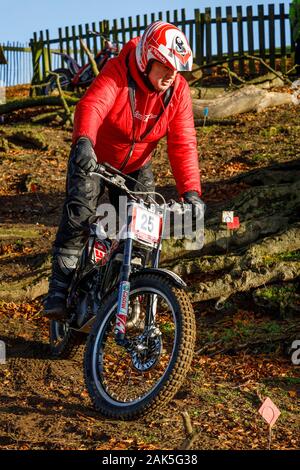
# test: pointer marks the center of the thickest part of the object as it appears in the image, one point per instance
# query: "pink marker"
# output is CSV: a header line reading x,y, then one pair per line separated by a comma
x,y
269,412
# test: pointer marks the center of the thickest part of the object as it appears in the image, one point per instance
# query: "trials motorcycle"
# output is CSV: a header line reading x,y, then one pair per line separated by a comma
x,y
75,76
138,317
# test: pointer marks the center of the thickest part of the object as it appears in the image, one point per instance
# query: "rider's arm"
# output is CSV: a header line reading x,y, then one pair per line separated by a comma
x,y
96,103
182,145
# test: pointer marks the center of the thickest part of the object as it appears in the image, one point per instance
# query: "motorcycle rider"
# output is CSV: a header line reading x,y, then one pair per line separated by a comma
x,y
137,99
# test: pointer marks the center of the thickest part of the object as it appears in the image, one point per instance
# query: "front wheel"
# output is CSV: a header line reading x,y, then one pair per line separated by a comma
x,y
65,80
128,382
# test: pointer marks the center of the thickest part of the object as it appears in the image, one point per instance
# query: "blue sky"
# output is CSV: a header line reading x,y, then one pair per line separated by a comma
x,y
19,19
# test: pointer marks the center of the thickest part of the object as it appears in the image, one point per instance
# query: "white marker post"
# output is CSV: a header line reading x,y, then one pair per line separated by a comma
x,y
2,353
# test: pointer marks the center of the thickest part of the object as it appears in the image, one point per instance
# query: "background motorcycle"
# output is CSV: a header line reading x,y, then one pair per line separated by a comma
x,y
74,75
139,317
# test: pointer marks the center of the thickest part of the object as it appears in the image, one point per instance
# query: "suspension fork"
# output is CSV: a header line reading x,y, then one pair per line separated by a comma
x,y
123,295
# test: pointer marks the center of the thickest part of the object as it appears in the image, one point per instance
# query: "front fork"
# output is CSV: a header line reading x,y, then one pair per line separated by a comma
x,y
123,297
124,292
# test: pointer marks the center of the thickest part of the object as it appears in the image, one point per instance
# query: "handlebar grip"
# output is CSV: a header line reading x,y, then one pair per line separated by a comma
x,y
99,168
106,167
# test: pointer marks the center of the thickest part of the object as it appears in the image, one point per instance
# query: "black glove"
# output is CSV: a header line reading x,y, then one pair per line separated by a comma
x,y
84,155
198,206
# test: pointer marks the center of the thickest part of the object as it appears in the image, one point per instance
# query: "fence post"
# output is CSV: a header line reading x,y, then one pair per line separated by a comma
x,y
282,38
261,30
61,46
67,40
87,36
14,62
183,21
229,22
207,16
48,49
130,27
219,33
191,35
199,37
138,25
175,17
36,51
106,28
123,30
95,45
74,40
239,15
115,31
272,36
82,57
250,38
45,61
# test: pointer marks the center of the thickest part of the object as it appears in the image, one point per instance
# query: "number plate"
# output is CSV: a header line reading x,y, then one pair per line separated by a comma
x,y
146,225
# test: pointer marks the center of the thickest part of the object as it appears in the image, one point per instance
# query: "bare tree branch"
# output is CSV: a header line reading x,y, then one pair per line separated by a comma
x,y
91,58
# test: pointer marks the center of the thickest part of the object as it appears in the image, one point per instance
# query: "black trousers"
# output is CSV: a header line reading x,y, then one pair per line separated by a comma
x,y
83,193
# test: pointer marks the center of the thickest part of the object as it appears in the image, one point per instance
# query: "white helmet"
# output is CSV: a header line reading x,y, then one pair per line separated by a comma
x,y
165,43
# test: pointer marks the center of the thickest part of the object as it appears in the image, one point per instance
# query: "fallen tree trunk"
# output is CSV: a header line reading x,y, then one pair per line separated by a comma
x,y
15,105
265,82
261,263
249,98
263,211
240,280
265,248
243,100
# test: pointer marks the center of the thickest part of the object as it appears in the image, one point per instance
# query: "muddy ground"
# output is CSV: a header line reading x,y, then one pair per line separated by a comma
x,y
242,354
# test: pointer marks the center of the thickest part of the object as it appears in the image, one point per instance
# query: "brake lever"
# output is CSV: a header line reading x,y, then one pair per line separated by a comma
x,y
118,180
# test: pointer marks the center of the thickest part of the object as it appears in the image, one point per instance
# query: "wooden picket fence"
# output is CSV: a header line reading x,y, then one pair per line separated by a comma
x,y
18,68
215,36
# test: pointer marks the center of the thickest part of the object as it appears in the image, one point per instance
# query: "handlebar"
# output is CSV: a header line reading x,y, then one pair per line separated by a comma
x,y
114,176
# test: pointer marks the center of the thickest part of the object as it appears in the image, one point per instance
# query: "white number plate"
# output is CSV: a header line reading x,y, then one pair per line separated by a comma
x,y
146,225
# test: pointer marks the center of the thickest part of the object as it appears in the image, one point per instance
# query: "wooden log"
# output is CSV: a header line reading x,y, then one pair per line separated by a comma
x,y
32,102
243,100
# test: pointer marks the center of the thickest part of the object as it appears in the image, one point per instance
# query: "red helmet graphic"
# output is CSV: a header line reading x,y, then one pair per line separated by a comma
x,y
166,43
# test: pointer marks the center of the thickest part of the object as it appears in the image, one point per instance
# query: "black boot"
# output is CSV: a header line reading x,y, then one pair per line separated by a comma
x,y
63,267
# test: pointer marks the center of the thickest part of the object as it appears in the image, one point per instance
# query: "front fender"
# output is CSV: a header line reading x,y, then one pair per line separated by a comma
x,y
165,273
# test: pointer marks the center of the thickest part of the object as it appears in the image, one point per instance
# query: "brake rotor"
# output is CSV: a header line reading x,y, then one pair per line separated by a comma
x,y
145,356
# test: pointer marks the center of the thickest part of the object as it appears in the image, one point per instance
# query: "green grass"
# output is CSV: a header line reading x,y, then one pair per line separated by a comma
x,y
7,233
261,157
274,131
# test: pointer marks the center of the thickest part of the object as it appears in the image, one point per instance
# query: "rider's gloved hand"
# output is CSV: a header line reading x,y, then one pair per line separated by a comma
x,y
198,206
84,155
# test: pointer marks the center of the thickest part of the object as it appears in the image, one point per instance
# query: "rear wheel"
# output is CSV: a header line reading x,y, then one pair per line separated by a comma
x,y
128,382
64,342
65,80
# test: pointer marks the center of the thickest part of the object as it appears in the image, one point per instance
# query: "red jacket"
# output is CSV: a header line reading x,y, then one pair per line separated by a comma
x,y
104,115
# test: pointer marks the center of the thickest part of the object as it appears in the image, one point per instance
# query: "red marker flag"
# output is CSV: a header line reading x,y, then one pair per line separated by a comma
x,y
235,224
